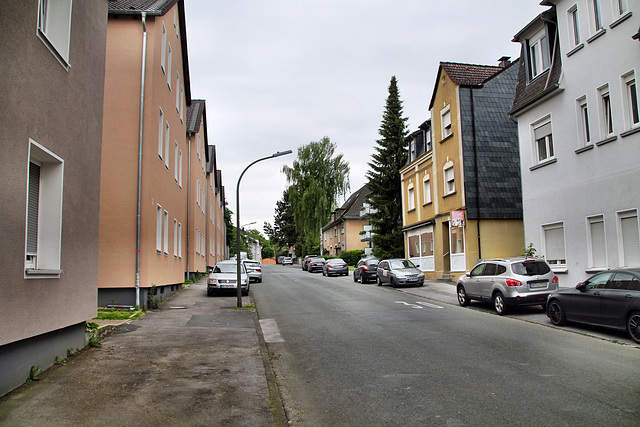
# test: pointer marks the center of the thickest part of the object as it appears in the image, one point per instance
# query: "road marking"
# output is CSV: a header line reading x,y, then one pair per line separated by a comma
x,y
426,304
408,304
270,331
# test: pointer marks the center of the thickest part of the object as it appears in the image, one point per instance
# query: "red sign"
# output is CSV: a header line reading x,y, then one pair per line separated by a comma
x,y
457,218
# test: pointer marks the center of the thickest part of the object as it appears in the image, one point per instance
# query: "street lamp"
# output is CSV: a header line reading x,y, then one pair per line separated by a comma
x,y
251,223
238,261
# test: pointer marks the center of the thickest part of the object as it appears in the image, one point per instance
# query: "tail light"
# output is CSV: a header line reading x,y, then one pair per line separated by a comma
x,y
511,282
555,280
259,269
364,267
346,265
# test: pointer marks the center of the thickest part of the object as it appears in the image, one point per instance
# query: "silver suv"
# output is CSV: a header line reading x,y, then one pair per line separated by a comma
x,y
508,282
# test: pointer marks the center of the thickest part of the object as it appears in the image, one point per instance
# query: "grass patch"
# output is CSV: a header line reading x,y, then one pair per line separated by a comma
x,y
251,307
113,314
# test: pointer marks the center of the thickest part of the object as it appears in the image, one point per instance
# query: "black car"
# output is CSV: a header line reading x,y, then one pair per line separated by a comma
x,y
315,264
365,270
305,261
610,299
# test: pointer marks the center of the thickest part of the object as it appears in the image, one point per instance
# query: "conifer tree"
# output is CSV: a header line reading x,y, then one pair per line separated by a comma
x,y
384,179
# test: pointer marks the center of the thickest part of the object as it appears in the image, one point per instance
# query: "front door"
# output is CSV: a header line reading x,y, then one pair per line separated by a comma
x,y
446,248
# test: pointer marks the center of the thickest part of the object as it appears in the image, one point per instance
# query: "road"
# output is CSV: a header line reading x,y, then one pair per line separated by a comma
x,y
347,354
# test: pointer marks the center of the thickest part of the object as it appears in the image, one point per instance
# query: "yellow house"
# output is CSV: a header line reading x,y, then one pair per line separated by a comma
x,y
461,190
343,231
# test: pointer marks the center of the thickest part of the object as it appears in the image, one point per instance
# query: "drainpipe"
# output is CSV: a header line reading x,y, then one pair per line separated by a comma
x,y
187,275
475,159
142,79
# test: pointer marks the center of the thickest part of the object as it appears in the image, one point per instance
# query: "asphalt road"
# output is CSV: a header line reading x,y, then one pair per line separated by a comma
x,y
360,355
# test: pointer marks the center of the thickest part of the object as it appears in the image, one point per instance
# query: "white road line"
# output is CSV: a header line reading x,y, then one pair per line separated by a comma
x,y
270,331
408,304
426,304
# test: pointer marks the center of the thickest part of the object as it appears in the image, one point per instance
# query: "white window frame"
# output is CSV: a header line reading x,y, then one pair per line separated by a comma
x,y
607,128
180,168
163,54
449,181
166,232
179,240
445,120
538,54
621,7
161,133
584,130
628,244
45,261
540,136
158,228
197,241
574,25
166,144
557,263
176,159
630,101
426,187
597,243
175,238
177,92
169,60
411,197
54,27
596,16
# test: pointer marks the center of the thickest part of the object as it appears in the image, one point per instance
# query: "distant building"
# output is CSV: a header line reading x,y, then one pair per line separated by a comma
x,y
461,189
346,229
579,129
51,120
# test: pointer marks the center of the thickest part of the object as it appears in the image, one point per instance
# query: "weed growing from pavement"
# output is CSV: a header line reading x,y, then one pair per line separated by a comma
x,y
114,314
33,373
251,307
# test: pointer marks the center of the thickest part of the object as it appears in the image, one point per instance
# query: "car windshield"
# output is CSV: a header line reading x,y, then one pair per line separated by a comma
x,y
253,264
317,259
530,268
336,261
227,268
401,263
373,262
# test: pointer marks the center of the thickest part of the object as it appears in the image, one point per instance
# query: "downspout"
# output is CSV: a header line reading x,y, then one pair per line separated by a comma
x,y
139,207
187,274
475,159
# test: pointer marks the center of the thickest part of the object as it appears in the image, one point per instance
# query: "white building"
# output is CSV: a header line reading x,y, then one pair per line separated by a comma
x,y
579,130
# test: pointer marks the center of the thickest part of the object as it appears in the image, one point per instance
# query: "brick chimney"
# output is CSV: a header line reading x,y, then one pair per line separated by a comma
x,y
504,61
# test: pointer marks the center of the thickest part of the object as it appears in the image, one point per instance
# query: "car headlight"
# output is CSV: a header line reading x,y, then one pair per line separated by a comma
x,y
213,281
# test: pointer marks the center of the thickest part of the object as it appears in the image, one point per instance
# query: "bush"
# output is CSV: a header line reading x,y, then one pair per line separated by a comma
x,y
352,257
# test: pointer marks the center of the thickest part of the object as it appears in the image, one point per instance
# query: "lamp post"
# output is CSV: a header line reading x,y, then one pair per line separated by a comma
x,y
238,261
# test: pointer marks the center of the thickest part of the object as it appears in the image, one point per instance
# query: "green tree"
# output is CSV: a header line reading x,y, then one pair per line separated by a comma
x,y
267,249
231,233
316,179
384,178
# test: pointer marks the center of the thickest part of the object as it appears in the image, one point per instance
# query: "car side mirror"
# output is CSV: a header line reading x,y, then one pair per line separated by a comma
x,y
417,265
468,274
581,287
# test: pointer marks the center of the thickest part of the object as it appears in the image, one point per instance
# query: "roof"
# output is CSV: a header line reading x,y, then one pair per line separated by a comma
x,y
154,7
195,113
351,207
464,75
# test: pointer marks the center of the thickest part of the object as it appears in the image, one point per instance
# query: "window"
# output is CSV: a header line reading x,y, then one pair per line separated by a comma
x,y
163,54
182,104
412,150
197,241
175,238
166,145
629,238
621,7
596,242
574,25
632,118
411,198
169,65
427,243
426,185
44,212
538,50
180,168
177,92
543,141
203,245
606,119
449,178
158,228
414,246
197,191
457,240
427,138
179,240
585,134
160,133
553,236
176,159
166,232
54,27
446,123
597,17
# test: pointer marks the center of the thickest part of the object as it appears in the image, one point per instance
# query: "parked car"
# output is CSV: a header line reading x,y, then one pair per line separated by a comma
x,y
305,261
398,272
287,260
610,299
335,266
366,270
508,282
224,278
315,264
254,270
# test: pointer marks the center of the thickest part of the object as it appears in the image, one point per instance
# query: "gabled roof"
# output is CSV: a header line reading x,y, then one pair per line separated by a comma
x,y
196,114
464,75
350,208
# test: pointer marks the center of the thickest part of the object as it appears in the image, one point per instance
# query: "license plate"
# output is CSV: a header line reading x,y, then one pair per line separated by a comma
x,y
538,285
227,286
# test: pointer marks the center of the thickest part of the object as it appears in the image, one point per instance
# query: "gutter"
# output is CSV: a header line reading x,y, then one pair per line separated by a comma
x,y
139,195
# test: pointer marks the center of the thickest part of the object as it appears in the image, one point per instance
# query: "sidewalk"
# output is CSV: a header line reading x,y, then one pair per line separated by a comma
x,y
194,361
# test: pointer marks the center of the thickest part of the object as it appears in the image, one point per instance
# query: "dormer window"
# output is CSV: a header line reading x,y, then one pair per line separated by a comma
x,y
538,51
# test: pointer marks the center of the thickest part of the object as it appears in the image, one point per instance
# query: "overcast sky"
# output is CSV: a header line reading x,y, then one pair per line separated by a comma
x,y
279,74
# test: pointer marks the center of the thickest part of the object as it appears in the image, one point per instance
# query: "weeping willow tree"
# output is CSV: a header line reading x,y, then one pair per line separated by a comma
x,y
316,180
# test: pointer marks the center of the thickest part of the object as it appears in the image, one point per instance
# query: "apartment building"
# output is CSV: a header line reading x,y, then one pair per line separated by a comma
x,y
344,230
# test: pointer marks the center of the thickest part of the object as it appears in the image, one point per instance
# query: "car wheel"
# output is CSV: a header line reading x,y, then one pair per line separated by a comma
x,y
323,273
209,293
362,279
355,278
259,280
633,326
379,281
393,282
556,313
499,304
463,300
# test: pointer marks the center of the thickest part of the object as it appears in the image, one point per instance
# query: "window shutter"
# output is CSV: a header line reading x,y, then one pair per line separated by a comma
x,y
542,131
598,249
630,241
554,243
34,202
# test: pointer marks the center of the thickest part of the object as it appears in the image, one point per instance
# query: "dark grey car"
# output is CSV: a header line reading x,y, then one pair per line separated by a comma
x,y
366,270
315,264
610,299
399,272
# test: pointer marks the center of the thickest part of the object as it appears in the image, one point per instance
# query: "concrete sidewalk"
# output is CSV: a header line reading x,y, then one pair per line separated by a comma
x,y
194,361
